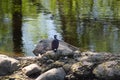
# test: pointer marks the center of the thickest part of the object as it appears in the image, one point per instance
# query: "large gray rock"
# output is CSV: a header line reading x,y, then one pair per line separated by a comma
x,y
42,47
7,65
108,70
45,45
32,69
53,74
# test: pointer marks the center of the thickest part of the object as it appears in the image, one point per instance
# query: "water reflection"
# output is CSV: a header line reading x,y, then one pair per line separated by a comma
x,y
36,29
103,37
5,36
17,25
90,25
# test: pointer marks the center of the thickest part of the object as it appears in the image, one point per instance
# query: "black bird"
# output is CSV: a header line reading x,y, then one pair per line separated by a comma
x,y
55,43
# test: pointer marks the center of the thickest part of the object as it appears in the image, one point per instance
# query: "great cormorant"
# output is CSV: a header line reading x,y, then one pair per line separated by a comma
x,y
55,43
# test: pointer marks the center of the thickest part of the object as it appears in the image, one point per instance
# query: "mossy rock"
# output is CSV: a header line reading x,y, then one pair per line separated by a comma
x,y
109,70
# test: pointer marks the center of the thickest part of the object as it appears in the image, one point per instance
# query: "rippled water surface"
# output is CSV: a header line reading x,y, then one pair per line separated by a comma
x,y
88,24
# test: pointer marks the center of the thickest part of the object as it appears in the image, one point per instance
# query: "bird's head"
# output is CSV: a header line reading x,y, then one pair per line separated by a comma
x,y
55,36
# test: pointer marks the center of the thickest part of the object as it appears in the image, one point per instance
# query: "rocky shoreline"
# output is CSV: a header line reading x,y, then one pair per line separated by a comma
x,y
68,63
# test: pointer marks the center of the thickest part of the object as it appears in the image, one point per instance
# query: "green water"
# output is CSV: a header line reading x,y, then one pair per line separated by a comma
x,y
88,24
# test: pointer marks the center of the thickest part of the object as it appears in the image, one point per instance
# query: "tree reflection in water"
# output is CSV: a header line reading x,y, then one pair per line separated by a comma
x,y
88,24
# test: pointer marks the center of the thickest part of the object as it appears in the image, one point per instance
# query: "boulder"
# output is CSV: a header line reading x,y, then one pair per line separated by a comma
x,y
45,45
42,47
109,70
53,74
8,65
82,69
32,69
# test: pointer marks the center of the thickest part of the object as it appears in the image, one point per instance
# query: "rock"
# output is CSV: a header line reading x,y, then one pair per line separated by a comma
x,y
58,63
82,69
76,54
45,45
67,67
64,50
50,61
53,74
46,66
60,53
50,54
99,57
94,57
8,65
71,77
108,70
32,69
88,53
42,47
3,55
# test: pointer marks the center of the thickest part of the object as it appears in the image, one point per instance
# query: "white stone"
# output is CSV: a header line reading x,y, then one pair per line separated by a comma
x,y
53,74
31,69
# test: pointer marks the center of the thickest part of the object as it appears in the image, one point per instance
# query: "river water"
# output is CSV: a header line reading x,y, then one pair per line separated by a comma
x,y
90,25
